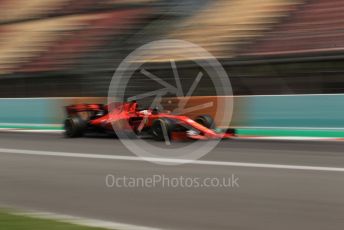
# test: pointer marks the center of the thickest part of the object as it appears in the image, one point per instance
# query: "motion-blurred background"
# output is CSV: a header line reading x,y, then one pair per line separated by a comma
x,y
70,48
285,62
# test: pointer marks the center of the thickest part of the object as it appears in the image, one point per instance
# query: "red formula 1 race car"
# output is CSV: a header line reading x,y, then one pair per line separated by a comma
x,y
127,118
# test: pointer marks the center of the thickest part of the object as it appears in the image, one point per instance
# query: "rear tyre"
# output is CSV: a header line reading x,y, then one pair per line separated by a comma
x,y
206,120
161,129
74,127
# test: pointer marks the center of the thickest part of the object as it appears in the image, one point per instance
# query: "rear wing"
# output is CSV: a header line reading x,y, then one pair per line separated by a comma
x,y
79,108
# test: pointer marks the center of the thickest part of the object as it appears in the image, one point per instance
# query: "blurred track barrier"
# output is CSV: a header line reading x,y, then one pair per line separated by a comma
x,y
291,115
37,113
286,115
293,111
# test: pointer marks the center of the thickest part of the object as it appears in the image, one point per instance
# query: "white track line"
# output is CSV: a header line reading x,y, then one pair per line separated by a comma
x,y
82,221
169,160
31,125
16,130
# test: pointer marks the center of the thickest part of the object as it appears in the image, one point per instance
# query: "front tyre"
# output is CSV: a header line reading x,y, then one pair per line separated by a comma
x,y
74,127
206,120
161,129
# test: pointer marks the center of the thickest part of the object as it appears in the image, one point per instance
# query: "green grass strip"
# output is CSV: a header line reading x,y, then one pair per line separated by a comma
x,y
20,222
291,133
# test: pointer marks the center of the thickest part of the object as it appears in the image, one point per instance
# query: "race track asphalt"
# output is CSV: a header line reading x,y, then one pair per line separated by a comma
x,y
267,198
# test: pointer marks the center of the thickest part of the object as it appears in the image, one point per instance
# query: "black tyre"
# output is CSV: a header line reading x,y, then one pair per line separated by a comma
x,y
206,120
162,129
74,127
231,131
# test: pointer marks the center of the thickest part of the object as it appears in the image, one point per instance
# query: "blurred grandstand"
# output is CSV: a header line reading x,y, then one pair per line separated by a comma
x,y
72,48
